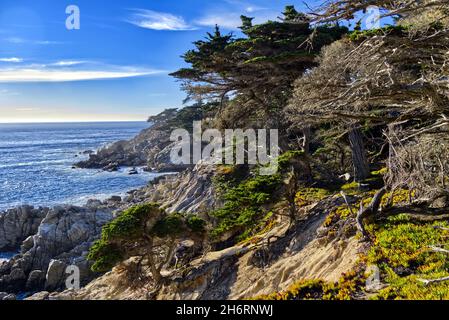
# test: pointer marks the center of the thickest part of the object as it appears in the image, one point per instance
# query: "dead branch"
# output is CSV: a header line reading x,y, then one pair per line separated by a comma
x,y
438,249
427,282
371,210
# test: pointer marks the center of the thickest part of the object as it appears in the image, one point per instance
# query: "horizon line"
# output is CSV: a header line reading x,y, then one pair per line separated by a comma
x,y
62,121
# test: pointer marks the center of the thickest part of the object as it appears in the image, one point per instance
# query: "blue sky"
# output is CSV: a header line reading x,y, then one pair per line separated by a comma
x,y
115,67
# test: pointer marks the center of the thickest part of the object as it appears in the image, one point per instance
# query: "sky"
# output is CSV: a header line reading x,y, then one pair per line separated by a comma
x,y
116,66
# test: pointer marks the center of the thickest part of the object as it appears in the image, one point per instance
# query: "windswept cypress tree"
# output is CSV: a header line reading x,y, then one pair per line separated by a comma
x,y
258,69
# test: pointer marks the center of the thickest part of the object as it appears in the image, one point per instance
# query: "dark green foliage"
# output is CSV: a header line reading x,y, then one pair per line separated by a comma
x,y
130,224
104,255
286,158
172,119
247,22
291,15
136,228
196,224
243,204
172,224
359,35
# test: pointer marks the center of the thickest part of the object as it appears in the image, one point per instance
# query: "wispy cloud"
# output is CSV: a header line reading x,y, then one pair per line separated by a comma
x,y
26,109
149,19
68,63
253,8
12,59
43,74
18,40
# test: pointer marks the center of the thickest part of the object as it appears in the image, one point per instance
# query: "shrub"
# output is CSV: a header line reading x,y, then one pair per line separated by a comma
x,y
243,204
133,234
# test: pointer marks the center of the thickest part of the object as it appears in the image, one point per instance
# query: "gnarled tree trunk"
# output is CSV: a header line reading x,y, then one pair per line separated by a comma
x,y
359,158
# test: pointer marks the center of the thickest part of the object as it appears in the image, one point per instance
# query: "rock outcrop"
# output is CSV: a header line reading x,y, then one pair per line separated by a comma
x,y
190,191
18,224
150,148
56,238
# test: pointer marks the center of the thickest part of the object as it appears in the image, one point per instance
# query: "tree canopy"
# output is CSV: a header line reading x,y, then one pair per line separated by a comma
x,y
258,68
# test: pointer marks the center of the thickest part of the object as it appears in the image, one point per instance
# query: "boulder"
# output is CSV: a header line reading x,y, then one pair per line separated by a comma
x,y
36,280
115,199
10,297
55,274
27,244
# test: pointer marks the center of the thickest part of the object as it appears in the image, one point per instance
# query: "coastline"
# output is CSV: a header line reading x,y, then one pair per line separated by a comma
x,y
38,243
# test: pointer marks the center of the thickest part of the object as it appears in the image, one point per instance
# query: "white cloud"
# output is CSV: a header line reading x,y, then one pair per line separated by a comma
x,y
149,19
12,59
68,63
252,9
14,75
17,40
26,109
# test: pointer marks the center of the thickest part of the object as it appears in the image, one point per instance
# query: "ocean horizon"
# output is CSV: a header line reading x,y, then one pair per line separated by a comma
x,y
36,162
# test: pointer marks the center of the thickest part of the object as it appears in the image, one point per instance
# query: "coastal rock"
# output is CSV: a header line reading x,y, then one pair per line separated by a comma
x,y
191,191
35,280
115,199
27,244
111,167
62,238
10,297
18,224
55,273
151,147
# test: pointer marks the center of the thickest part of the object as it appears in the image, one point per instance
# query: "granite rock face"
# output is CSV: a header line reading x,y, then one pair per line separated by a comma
x,y
62,238
18,224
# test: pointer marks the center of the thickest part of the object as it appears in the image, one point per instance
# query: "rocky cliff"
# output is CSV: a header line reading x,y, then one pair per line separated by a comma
x,y
271,262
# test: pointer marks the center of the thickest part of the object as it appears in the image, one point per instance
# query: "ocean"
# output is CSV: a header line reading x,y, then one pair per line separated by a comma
x,y
36,163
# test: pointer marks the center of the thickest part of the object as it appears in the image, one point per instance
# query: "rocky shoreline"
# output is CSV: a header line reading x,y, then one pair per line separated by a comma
x,y
50,239
150,149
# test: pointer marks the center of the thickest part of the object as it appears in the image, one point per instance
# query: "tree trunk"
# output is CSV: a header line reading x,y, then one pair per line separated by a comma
x,y
306,139
372,209
359,159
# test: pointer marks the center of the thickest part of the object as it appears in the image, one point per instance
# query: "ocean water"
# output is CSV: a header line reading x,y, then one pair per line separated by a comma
x,y
5,256
36,163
